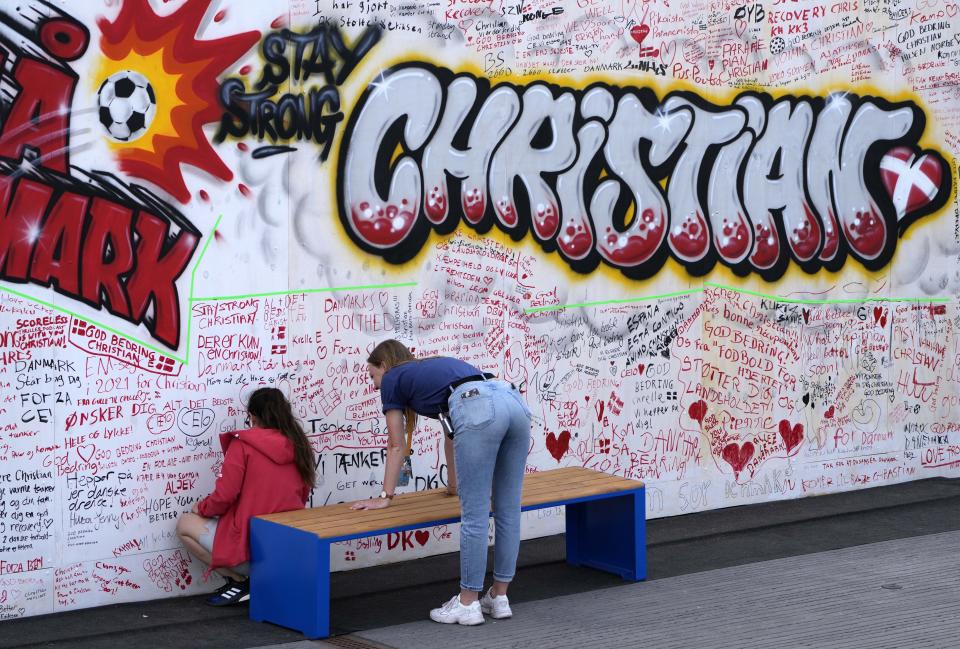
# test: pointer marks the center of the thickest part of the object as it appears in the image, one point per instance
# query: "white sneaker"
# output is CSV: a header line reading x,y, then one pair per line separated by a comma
x,y
454,612
496,607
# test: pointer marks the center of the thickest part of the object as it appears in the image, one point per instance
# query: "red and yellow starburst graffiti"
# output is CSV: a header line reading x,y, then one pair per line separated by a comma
x,y
183,72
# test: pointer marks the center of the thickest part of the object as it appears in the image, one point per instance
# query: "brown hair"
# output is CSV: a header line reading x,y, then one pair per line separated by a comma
x,y
272,409
390,353
387,355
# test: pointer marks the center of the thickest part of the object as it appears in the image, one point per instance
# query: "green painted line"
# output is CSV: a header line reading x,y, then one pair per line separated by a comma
x,y
847,301
193,279
629,300
777,298
305,291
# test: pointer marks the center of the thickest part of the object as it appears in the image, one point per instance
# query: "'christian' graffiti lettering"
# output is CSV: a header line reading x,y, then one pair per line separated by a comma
x,y
614,174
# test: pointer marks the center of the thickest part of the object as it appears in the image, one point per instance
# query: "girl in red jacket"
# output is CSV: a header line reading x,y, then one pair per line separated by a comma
x,y
266,469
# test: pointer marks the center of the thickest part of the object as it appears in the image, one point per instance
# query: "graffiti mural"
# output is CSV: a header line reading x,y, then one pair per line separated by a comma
x,y
715,243
742,187
311,115
185,70
90,235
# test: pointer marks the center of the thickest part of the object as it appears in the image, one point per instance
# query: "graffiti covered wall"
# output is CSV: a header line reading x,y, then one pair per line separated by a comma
x,y
716,244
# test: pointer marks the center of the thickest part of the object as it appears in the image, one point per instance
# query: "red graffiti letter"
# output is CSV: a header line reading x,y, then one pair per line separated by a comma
x,y
20,224
58,250
107,254
40,114
159,264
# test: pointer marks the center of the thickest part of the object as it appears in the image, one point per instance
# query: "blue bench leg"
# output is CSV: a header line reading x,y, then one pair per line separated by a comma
x,y
609,534
289,578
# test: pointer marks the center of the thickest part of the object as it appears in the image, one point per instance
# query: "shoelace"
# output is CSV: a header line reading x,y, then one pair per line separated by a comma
x,y
450,605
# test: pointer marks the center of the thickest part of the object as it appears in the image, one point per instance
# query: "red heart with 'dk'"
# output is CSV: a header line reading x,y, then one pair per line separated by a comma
x,y
558,446
738,455
791,436
422,536
639,32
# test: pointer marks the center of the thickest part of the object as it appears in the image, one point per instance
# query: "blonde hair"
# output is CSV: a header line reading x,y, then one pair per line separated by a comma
x,y
387,355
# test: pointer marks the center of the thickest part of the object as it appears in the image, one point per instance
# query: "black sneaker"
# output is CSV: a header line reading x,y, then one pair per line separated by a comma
x,y
233,592
226,584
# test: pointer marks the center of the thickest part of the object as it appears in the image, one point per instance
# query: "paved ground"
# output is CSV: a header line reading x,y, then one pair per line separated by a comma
x,y
903,593
763,575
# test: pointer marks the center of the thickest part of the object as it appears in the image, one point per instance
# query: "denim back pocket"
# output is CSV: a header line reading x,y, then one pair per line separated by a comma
x,y
473,411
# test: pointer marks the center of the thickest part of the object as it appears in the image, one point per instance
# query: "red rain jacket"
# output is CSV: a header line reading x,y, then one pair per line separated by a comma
x,y
258,477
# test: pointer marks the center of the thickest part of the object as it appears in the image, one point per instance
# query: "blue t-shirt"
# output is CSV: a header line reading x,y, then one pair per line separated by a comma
x,y
422,385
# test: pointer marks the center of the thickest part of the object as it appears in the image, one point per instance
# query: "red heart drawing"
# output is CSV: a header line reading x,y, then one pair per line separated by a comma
x,y
86,451
422,536
740,26
698,410
668,50
737,456
883,320
791,436
558,446
641,367
806,316
639,32
952,10
912,179
829,413
877,312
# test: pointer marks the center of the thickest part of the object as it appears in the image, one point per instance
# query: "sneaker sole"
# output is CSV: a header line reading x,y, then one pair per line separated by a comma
x,y
215,602
487,610
461,622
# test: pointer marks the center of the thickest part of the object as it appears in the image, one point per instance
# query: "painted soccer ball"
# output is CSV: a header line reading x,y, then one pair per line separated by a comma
x,y
127,105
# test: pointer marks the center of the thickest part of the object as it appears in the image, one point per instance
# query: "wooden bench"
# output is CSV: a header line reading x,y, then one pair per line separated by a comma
x,y
290,552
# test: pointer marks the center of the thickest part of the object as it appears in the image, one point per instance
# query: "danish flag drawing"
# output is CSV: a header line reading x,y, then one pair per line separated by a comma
x,y
912,182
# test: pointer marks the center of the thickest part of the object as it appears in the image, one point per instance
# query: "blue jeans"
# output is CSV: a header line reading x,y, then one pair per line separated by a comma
x,y
491,439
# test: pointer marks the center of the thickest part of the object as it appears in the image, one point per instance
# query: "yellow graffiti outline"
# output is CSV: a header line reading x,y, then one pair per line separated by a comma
x,y
164,84
671,271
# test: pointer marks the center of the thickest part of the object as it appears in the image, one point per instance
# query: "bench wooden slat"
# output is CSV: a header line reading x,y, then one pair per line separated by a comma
x,y
422,516
429,506
532,484
332,514
420,499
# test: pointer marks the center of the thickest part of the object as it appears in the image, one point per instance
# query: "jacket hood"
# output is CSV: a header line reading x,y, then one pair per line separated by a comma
x,y
268,441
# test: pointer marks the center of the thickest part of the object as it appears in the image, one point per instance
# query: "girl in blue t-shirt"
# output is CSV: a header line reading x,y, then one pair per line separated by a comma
x,y
486,449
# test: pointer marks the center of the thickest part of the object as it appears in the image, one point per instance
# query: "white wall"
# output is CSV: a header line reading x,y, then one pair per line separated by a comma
x,y
728,268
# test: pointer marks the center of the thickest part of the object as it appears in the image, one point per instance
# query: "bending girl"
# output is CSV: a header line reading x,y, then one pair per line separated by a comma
x,y
486,449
